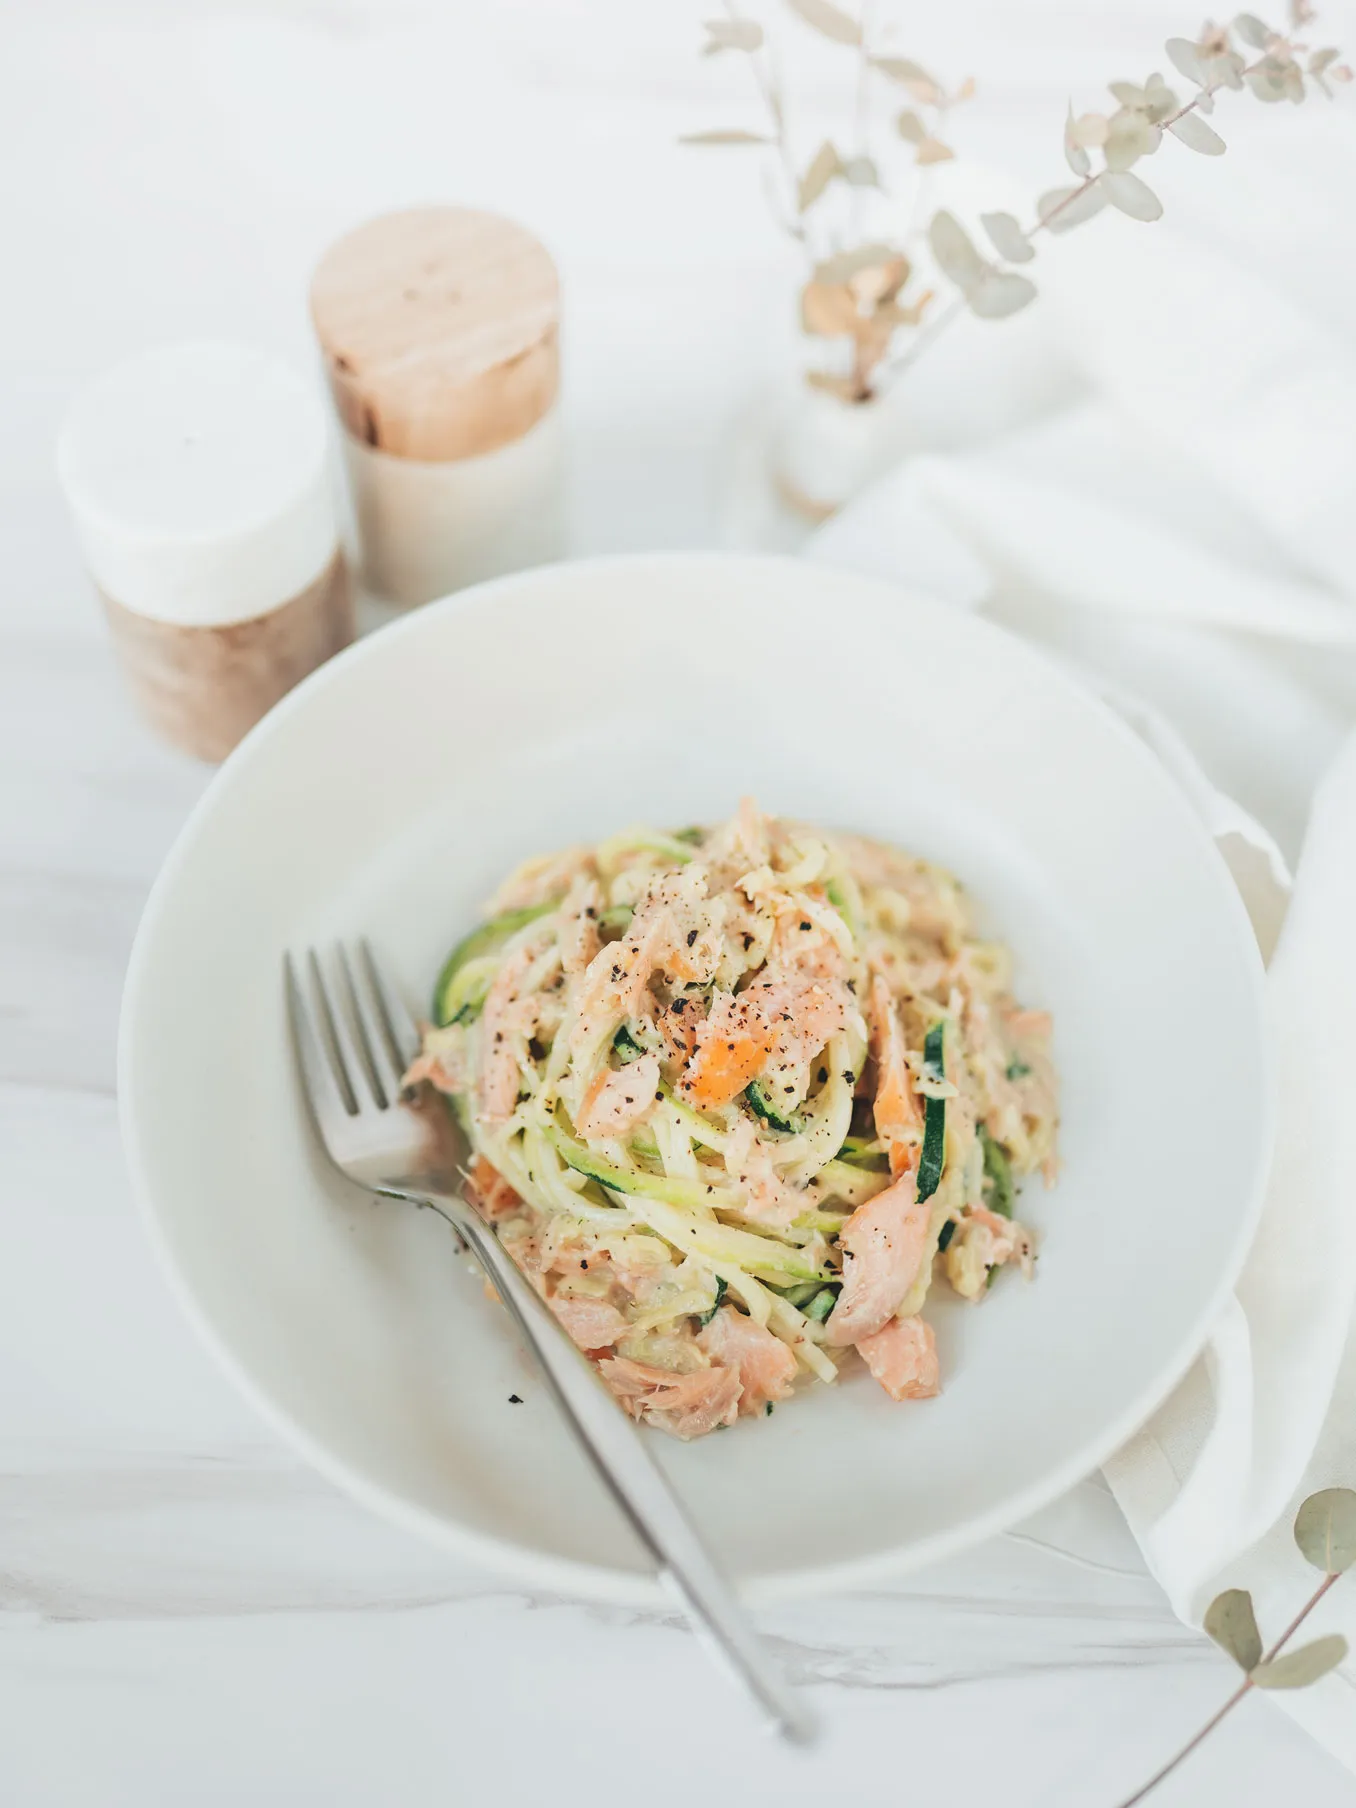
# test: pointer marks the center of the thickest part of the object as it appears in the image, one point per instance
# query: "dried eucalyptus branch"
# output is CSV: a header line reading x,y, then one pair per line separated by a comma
x,y
856,291
1325,1531
1134,131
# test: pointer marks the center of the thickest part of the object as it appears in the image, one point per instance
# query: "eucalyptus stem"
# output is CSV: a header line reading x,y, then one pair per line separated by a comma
x,y
862,111
769,87
1043,223
1233,1701
925,336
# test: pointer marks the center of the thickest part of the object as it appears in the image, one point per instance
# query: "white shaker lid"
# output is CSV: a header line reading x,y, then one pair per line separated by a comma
x,y
198,475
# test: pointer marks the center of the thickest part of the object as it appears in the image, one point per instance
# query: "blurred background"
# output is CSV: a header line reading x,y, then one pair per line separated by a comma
x,y
178,169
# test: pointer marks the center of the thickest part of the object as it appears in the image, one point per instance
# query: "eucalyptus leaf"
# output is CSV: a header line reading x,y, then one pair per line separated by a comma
x,y
828,309
1007,238
861,172
999,293
912,76
1075,155
932,150
1126,191
1321,59
955,254
842,387
1226,70
1129,94
1186,58
1196,135
1297,1669
846,265
1232,1624
1267,81
891,313
822,168
1325,1530
1089,129
734,137
910,126
827,20
732,34
1252,31
1160,100
1131,137
903,69
1064,208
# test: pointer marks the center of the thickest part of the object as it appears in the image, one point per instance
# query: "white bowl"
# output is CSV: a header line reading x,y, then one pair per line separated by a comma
x,y
391,791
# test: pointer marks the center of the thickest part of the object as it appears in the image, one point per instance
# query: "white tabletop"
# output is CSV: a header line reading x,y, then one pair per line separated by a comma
x,y
187,1613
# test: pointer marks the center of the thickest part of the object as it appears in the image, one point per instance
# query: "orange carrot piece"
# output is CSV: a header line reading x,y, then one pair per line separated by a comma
x,y
724,1068
733,1046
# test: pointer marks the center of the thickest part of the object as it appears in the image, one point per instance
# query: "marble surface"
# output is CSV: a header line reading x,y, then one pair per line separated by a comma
x,y
187,1613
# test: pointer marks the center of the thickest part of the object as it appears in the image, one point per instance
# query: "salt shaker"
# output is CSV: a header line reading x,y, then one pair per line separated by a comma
x,y
199,478
439,332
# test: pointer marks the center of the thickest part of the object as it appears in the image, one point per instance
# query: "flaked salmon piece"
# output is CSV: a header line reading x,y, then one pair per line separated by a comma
x,y
542,878
742,843
1032,1026
769,1199
984,1240
506,1023
899,1123
578,937
801,944
616,983
616,1102
902,1356
733,1045
441,1061
592,1324
1036,1087
803,1014
566,1256
506,1038
489,1192
765,1365
884,1242
695,939
677,1024
526,1253
688,1406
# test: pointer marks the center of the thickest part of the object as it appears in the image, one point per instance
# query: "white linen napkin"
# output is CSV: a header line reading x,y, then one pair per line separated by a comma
x,y
1196,579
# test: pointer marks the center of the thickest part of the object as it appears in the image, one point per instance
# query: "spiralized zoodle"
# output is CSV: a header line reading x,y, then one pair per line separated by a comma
x,y
736,1096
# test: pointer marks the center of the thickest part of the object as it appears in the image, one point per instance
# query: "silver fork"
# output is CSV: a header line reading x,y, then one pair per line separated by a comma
x,y
353,1043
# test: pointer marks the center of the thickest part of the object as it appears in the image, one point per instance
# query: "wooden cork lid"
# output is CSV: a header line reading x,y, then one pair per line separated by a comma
x,y
439,329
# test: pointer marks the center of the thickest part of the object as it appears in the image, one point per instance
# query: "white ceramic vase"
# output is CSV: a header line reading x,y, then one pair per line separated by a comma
x,y
827,450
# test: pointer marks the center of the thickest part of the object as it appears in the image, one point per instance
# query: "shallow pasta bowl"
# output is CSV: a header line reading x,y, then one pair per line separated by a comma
x,y
390,793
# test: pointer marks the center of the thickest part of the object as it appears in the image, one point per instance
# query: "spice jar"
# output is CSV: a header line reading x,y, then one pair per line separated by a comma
x,y
439,332
200,482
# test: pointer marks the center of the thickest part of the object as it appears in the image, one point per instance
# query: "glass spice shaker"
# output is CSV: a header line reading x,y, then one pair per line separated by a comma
x,y
200,482
439,332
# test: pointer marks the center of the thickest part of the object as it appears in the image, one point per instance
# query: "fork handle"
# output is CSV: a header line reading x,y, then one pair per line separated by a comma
x,y
617,1450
